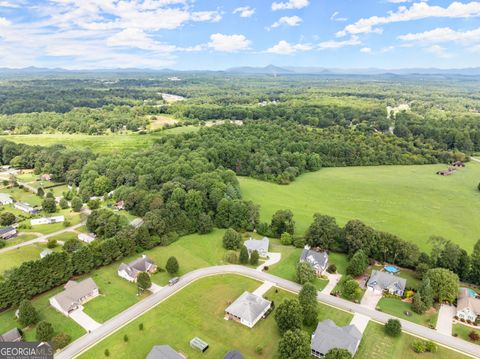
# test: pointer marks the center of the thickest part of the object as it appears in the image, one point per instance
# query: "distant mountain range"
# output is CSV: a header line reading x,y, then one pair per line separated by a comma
x,y
248,70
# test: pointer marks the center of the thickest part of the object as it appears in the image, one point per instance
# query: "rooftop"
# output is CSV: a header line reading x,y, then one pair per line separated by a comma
x,y
328,336
74,291
248,306
163,352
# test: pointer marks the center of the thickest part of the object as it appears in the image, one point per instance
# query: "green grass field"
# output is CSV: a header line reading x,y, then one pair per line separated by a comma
x,y
22,195
397,308
16,257
111,143
409,201
20,239
59,322
198,310
376,345
462,331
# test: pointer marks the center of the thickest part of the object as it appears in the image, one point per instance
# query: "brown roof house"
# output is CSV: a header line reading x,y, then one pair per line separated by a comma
x,y
468,305
131,270
74,295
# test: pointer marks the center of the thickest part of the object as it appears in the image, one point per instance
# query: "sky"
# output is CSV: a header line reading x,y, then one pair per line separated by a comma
x,y
218,34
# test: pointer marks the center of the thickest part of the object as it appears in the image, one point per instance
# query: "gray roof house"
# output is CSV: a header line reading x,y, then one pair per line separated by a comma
x,y
8,232
163,352
5,198
329,336
74,295
25,207
318,260
248,309
131,270
12,335
383,281
234,354
45,252
259,245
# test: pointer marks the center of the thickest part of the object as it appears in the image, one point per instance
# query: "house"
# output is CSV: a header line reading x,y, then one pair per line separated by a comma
x,y
248,309
163,352
8,232
12,335
329,336
45,253
380,282
47,220
318,260
74,295
46,177
136,222
234,354
468,306
119,205
5,199
25,207
259,245
86,237
131,270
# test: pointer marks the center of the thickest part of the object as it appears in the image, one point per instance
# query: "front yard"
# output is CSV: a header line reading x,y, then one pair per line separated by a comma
x,y
462,331
376,345
398,308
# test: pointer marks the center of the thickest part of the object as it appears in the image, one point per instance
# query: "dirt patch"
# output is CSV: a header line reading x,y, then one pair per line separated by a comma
x,y
161,121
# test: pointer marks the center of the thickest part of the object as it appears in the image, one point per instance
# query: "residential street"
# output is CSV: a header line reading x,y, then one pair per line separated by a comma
x,y
90,339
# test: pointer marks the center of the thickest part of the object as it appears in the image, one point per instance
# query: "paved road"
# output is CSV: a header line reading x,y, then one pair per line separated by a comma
x,y
41,239
112,325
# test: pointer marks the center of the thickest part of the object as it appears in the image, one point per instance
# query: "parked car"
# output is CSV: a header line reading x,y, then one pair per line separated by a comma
x,y
173,281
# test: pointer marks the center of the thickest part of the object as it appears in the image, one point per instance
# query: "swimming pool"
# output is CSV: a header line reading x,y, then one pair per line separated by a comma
x,y
391,269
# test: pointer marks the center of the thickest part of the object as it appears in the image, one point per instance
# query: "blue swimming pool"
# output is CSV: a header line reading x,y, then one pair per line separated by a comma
x,y
391,269
471,293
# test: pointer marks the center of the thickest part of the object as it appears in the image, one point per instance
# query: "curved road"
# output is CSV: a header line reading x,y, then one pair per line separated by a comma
x,y
114,324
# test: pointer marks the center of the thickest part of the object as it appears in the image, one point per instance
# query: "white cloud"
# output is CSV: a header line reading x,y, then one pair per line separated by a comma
x,y
366,50
8,4
290,4
287,20
443,34
416,11
4,22
245,11
204,16
399,1
335,17
228,43
332,44
136,38
285,48
438,51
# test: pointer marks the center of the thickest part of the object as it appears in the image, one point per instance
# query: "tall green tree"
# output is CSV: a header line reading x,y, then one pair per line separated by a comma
x,y
295,344
358,264
444,284
308,300
243,258
288,315
475,267
143,281
231,239
44,331
282,221
49,205
323,232
305,273
172,266
27,314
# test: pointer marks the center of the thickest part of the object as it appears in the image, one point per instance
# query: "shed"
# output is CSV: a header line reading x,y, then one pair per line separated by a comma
x,y
199,344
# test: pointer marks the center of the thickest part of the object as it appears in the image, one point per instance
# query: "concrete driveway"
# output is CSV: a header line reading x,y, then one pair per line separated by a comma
x,y
333,279
260,291
445,319
272,259
360,321
155,288
84,320
370,299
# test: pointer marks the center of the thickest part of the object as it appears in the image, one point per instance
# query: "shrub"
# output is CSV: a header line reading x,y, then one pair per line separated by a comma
x,y
419,346
474,336
107,352
44,332
332,268
63,203
299,243
7,218
231,257
393,327
52,243
140,326
231,239
27,314
125,338
60,341
286,239
431,347
254,258
172,265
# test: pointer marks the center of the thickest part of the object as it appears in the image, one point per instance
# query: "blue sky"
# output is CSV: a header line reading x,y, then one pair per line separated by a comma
x,y
217,34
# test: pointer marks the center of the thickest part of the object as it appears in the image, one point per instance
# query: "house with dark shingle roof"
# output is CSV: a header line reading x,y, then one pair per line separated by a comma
x,y
234,354
318,260
74,295
8,232
380,282
248,309
329,336
163,352
131,270
12,335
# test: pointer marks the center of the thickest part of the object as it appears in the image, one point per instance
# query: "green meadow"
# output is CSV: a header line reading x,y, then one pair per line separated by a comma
x,y
409,201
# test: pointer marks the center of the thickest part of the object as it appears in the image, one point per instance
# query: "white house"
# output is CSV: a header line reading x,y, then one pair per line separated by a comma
x,y
248,309
74,295
25,207
259,245
5,199
468,306
45,253
47,220
131,270
86,237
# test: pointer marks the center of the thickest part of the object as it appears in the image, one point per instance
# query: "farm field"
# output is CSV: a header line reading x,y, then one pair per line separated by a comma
x,y
101,143
409,201
175,324
376,344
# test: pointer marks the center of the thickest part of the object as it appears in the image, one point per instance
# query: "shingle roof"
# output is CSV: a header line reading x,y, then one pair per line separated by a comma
x,y
6,230
141,264
11,336
234,354
73,292
466,301
257,244
329,336
315,258
248,306
384,280
163,352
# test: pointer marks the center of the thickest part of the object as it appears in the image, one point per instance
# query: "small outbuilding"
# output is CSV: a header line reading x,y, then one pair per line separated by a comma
x,y
199,344
86,237
46,252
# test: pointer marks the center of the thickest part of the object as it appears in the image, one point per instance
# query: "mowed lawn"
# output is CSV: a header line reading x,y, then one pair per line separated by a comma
x,y
462,331
198,310
398,308
15,257
409,201
59,322
376,345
